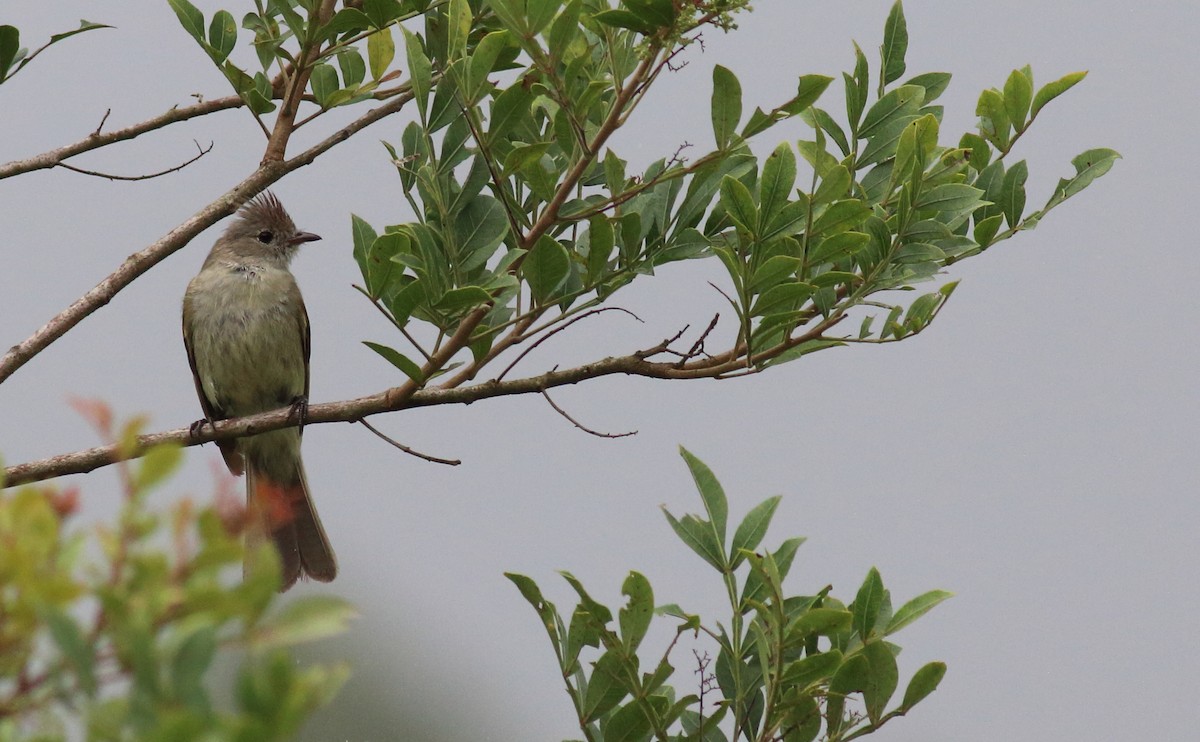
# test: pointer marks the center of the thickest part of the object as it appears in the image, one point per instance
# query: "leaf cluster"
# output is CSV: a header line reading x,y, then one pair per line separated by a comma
x,y
526,215
122,625
788,667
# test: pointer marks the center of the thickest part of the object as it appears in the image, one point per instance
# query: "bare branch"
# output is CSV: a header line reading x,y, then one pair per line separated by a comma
x,y
96,140
140,262
406,449
580,425
202,152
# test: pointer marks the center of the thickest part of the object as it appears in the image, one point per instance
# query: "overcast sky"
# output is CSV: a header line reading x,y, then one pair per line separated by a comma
x,y
1035,451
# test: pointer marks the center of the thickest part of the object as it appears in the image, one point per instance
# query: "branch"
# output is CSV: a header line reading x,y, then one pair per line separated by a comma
x,y
580,425
140,262
96,140
406,449
407,397
202,152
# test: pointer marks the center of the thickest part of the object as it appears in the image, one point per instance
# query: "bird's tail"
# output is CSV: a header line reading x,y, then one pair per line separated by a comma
x,y
282,508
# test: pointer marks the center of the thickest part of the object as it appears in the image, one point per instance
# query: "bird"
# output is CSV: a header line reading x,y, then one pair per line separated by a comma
x,y
247,337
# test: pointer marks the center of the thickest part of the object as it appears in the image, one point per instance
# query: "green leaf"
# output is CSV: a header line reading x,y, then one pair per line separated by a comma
x,y
483,61
1018,90
698,536
455,301
191,662
479,228
1012,193
882,679
634,617
1052,90
752,529
808,90
624,19
303,620
857,87
900,102
363,237
711,493
354,69
74,646
324,83
738,203
420,72
994,123
1089,165
381,50
545,609
785,297
345,21
222,35
986,229
190,18
382,12
158,463
399,360
778,180
837,246
777,268
867,604
823,621
657,13
564,31
949,197
10,44
726,105
545,268
914,609
458,19
540,13
935,83
924,682
895,44
811,669
605,688
382,269
601,241
841,216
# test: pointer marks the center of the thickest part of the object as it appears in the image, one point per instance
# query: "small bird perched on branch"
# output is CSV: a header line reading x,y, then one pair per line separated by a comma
x,y
247,337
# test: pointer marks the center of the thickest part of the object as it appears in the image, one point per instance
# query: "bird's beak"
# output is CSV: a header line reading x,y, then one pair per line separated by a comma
x,y
303,237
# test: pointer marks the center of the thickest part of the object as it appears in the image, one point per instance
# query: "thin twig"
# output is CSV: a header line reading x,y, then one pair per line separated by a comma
x,y
559,329
202,152
580,425
100,126
406,449
698,346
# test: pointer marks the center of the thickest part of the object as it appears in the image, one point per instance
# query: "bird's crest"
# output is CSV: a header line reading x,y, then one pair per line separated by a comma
x,y
266,209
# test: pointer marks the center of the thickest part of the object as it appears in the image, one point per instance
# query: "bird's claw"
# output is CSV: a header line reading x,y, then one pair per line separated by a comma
x,y
299,411
197,428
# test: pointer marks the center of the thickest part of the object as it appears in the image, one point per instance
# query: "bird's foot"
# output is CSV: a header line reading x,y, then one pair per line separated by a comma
x,y
197,428
299,411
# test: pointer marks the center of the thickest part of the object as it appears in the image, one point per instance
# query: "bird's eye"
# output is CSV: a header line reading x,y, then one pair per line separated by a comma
x,y
265,236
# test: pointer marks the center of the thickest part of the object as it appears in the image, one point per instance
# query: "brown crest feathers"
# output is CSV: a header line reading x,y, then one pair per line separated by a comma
x,y
265,209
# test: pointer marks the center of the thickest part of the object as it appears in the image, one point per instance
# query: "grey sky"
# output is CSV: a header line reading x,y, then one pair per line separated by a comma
x,y
1034,451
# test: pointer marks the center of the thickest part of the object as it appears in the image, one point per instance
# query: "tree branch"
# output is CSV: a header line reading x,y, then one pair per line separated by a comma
x,y
408,396
96,140
140,262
